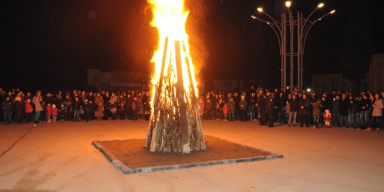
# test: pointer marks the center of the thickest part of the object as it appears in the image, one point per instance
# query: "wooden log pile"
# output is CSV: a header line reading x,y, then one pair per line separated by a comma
x,y
175,124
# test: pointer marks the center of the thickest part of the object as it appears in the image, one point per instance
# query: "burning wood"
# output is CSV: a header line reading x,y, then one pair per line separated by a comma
x,y
175,124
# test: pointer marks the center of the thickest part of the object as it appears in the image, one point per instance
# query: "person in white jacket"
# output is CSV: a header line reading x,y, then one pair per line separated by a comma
x,y
36,100
377,110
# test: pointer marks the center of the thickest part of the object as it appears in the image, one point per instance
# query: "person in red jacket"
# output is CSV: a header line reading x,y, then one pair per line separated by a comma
x,y
225,111
48,112
54,112
327,118
28,111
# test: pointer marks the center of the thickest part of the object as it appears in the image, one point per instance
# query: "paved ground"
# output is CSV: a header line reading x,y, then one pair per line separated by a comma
x,y
60,157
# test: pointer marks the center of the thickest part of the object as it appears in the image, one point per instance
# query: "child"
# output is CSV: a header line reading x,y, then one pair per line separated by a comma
x,y
327,118
28,111
225,111
54,113
48,112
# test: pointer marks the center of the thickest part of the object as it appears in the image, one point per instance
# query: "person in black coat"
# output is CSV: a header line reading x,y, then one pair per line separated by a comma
x,y
6,106
19,110
357,106
304,105
76,105
261,101
87,107
293,109
243,109
343,110
282,100
269,108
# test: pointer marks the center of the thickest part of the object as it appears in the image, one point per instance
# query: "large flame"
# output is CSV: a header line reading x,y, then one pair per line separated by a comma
x,y
169,17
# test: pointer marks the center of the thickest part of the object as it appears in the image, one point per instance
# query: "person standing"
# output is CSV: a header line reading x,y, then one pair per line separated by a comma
x,y
316,112
377,106
87,110
251,106
54,112
351,111
343,110
135,109
237,99
120,106
6,106
48,112
243,109
293,108
99,102
261,101
128,106
225,111
303,110
232,109
269,109
364,111
76,109
327,116
68,108
19,110
92,105
113,105
36,100
335,111
28,111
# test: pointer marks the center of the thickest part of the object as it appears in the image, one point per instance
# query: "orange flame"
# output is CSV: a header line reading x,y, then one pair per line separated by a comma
x,y
169,17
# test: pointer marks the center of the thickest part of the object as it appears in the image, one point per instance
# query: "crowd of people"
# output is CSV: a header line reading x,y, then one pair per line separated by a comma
x,y
19,107
295,107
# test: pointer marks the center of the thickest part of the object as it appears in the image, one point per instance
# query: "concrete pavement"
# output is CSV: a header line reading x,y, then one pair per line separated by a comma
x,y
60,157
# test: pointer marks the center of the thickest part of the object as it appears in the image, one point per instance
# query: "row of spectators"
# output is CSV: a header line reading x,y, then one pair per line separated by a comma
x,y
269,107
296,107
77,105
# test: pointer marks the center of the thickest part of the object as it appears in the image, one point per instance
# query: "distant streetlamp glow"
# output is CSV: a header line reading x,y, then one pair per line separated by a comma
x,y
291,47
288,4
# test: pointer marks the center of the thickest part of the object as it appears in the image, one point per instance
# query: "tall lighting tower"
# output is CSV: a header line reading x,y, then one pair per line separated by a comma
x,y
291,34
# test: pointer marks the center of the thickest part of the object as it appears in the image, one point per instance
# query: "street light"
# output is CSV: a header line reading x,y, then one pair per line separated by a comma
x,y
288,4
291,49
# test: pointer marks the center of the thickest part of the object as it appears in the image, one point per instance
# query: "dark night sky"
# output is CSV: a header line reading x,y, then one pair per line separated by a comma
x,y
50,44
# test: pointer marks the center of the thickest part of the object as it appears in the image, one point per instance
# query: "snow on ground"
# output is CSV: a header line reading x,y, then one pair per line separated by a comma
x,y
60,157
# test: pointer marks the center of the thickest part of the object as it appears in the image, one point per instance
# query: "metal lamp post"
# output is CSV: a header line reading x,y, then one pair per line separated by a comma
x,y
291,49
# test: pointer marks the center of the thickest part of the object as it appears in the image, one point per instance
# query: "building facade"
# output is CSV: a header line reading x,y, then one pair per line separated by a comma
x,y
376,73
113,80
